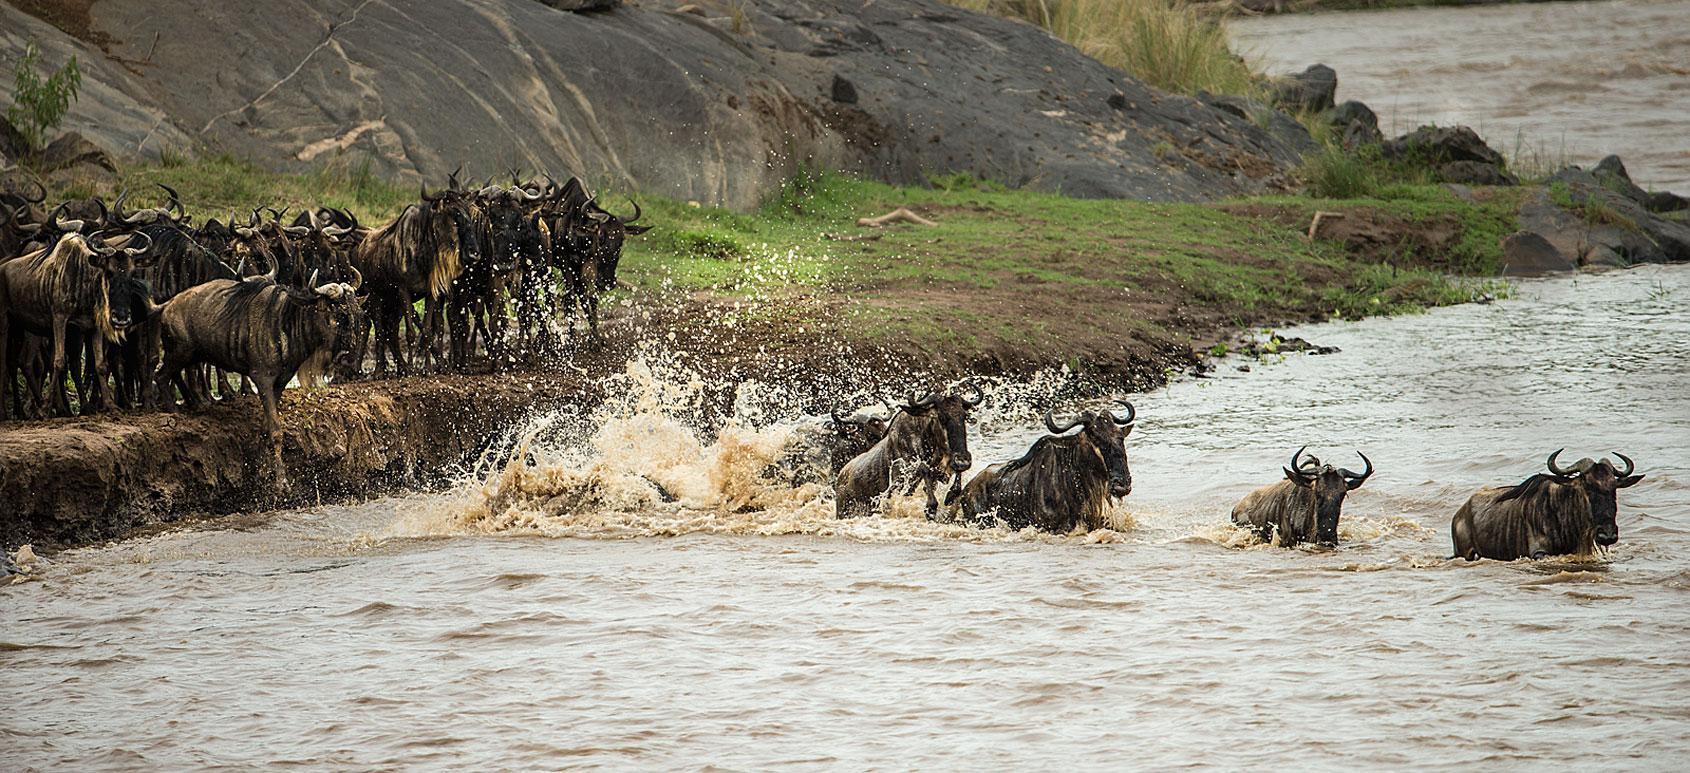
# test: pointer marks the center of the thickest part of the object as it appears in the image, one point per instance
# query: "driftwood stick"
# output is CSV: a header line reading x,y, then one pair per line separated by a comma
x,y
1314,225
855,238
899,215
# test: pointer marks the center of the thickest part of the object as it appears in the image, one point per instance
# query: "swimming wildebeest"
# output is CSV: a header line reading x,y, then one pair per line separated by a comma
x,y
817,450
1305,506
261,330
1063,481
926,442
1561,512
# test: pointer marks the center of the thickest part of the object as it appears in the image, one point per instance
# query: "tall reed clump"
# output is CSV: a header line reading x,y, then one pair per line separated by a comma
x,y
1165,43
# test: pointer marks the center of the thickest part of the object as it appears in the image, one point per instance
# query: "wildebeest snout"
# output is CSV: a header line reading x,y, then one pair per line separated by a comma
x,y
961,462
1607,535
1120,487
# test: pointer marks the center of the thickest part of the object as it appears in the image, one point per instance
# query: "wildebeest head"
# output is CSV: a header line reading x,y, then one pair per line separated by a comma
x,y
951,413
338,304
857,432
1329,485
1598,481
1106,436
117,268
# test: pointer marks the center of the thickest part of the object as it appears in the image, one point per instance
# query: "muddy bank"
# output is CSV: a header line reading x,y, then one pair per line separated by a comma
x,y
74,481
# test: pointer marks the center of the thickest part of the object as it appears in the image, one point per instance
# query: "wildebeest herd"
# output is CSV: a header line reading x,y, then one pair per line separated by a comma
x,y
144,307
149,307
1064,482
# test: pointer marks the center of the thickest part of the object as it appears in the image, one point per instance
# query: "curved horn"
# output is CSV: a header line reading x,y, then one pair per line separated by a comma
x,y
1629,466
39,198
53,217
1304,469
526,195
139,250
245,233
117,206
98,243
104,213
296,230
1556,468
979,394
452,179
635,216
930,399
175,201
240,269
357,278
1132,413
253,221
1354,481
336,231
1050,423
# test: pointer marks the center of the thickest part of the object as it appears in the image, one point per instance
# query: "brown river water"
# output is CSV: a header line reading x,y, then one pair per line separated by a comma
x,y
556,612
1543,83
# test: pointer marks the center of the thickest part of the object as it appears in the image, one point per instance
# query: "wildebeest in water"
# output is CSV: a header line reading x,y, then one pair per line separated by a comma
x,y
1564,511
816,451
1062,482
1305,506
926,442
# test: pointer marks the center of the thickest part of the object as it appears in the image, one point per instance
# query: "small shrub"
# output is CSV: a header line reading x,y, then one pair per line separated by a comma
x,y
705,242
39,105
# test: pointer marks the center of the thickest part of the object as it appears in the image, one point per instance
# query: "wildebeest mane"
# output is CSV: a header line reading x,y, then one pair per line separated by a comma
x,y
1528,488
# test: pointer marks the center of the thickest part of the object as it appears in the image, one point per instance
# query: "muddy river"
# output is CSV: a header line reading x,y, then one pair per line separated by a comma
x,y
1543,83
557,612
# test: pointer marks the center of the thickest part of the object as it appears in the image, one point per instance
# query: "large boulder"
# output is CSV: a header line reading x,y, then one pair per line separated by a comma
x,y
1610,173
1311,91
1355,124
1455,153
719,104
1592,224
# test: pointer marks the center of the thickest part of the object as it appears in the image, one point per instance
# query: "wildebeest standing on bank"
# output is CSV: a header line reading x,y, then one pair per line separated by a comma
x,y
415,256
1304,507
587,245
80,286
1061,482
926,442
1564,511
259,329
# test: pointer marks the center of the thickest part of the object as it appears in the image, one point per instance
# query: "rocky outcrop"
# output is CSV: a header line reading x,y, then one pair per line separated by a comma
x,y
1455,153
703,105
115,109
1313,90
1588,224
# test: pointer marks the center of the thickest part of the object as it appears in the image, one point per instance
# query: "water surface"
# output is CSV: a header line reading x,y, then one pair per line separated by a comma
x,y
561,615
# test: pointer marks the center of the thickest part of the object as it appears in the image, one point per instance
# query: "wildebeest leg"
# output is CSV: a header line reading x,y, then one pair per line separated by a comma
x,y
267,389
6,384
932,500
61,401
593,318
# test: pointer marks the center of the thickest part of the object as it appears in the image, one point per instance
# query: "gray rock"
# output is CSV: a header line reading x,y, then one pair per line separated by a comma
x,y
73,149
1573,175
674,103
115,108
1525,253
1610,172
1312,90
1666,203
1441,145
843,91
1601,256
1604,218
1473,173
1355,123
1282,126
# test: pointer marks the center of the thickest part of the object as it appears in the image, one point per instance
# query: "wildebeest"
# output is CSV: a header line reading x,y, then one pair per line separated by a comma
x,y
816,451
415,256
586,244
80,285
1561,512
259,329
926,442
1061,482
1305,506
